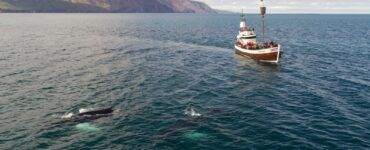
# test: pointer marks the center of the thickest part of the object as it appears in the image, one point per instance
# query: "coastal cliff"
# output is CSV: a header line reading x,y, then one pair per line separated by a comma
x,y
105,6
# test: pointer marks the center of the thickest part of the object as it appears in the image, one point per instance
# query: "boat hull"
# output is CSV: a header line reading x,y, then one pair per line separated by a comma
x,y
270,55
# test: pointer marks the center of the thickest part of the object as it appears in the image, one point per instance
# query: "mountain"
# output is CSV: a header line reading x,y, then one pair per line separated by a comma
x,y
224,12
105,6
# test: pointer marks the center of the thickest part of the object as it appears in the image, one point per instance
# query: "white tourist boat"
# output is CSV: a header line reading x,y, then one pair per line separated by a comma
x,y
247,45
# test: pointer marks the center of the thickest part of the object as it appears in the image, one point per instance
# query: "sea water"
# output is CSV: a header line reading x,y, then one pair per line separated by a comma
x,y
153,66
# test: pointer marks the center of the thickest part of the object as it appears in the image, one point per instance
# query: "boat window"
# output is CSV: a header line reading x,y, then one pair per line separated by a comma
x,y
252,37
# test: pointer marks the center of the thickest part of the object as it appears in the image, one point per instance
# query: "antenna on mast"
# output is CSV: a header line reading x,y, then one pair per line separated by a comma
x,y
242,15
263,13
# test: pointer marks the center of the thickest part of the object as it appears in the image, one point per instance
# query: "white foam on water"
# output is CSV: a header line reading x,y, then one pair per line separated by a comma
x,y
191,112
116,111
195,135
67,115
87,127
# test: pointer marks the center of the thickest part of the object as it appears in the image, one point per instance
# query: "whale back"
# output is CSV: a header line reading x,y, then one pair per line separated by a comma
x,y
103,111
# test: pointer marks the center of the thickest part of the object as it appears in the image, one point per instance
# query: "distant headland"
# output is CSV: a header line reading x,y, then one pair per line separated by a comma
x,y
104,6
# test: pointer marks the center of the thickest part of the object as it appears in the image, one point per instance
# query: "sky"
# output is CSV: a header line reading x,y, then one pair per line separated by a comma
x,y
295,6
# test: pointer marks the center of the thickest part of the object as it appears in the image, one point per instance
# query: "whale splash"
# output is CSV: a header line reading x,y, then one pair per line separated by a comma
x,y
67,116
191,112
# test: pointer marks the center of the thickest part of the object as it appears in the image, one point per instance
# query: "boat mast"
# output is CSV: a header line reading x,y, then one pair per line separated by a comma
x,y
263,13
243,22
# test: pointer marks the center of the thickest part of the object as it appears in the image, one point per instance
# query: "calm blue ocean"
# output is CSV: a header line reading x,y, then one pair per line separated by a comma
x,y
152,67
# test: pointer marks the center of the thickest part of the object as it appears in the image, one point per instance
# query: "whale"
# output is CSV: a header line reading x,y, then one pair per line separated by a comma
x,y
103,111
85,116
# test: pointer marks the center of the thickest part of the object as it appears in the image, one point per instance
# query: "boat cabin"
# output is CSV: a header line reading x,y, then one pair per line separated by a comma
x,y
246,34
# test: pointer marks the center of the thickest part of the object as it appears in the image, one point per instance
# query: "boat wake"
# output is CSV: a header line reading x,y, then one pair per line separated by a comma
x,y
149,43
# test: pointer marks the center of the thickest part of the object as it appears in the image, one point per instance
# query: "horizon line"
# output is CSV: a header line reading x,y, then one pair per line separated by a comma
x,y
287,13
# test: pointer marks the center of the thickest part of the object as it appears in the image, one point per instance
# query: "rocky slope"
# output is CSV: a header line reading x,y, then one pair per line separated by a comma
x,y
114,6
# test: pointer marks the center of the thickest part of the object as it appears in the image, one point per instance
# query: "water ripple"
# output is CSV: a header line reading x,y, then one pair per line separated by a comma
x,y
152,67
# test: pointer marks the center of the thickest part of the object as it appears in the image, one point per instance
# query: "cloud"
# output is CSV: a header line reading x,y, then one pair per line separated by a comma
x,y
294,6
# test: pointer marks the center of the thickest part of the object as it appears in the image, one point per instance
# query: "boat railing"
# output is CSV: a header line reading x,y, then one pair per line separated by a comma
x,y
246,29
253,46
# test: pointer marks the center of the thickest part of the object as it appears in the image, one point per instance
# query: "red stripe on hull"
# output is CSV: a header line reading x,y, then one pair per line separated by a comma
x,y
264,57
